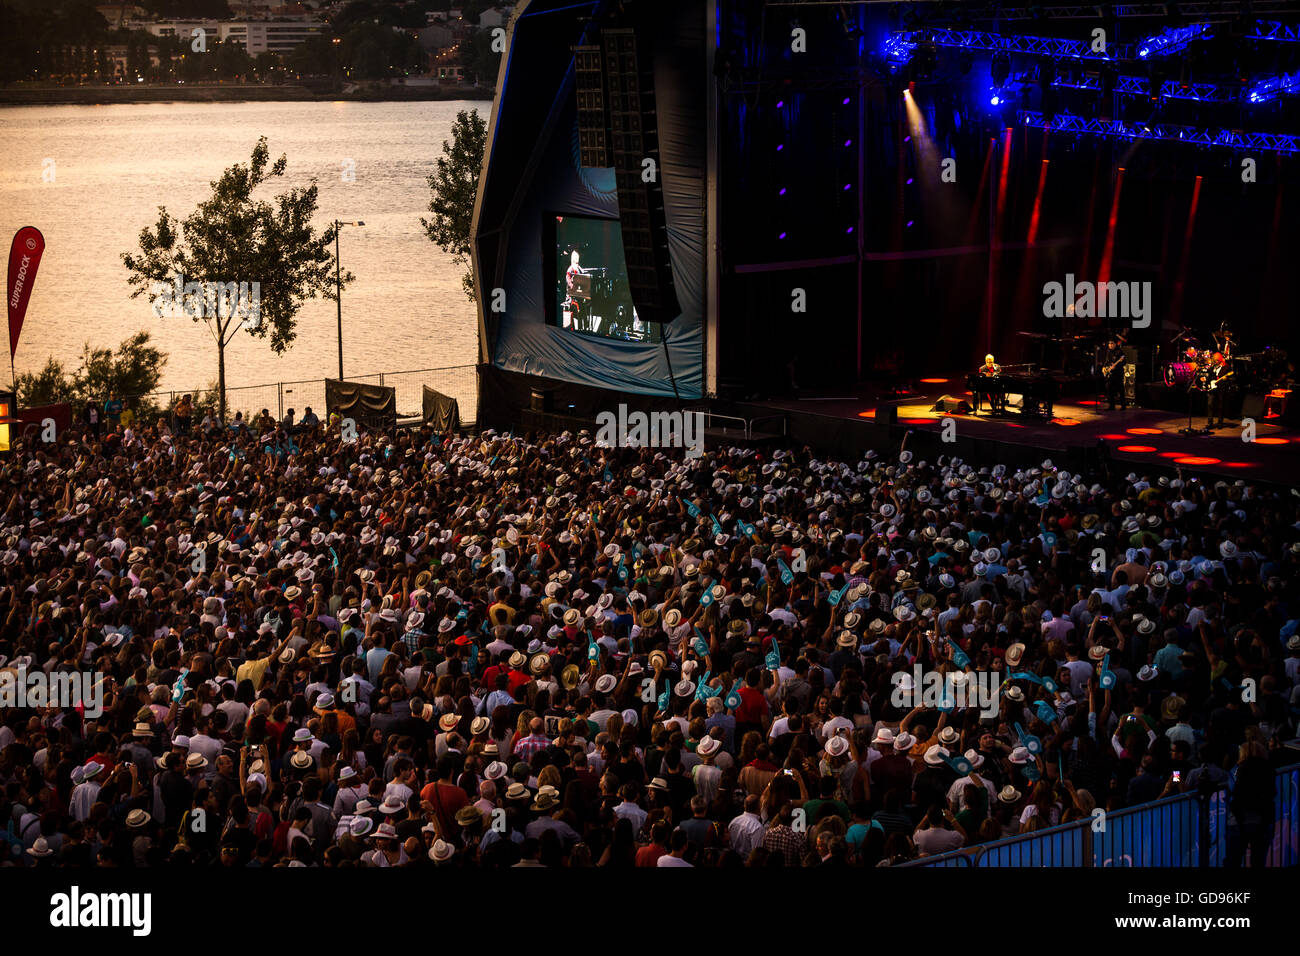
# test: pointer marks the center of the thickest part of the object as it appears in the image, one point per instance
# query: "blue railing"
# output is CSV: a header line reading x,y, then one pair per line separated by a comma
x,y
1164,833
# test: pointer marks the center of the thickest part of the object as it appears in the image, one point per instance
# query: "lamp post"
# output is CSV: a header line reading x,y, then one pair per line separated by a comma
x,y
338,285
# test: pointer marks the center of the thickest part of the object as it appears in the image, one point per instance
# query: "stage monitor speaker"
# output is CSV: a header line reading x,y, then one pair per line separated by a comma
x,y
949,404
542,400
634,140
589,85
1252,405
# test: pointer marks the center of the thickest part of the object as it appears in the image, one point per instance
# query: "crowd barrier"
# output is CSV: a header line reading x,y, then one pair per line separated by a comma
x,y
458,381
1186,830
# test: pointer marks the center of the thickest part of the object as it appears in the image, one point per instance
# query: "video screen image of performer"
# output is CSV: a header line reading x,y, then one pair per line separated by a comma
x,y
592,291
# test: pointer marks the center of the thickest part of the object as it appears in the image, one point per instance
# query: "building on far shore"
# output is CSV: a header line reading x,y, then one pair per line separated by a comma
x,y
256,36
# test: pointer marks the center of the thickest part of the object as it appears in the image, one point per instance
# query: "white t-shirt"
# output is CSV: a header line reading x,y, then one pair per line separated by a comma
x,y
668,860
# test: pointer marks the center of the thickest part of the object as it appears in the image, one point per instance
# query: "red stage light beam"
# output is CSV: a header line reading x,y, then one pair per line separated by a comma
x,y
1177,308
1038,203
1108,251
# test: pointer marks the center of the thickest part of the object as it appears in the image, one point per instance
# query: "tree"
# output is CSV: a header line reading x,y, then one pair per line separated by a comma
x,y
455,186
269,248
50,386
135,369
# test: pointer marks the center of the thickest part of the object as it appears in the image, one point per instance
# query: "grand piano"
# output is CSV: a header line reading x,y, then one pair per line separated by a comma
x,y
1038,391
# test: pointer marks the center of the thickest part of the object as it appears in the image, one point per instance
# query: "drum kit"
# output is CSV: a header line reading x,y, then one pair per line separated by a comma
x,y
1188,364
1193,366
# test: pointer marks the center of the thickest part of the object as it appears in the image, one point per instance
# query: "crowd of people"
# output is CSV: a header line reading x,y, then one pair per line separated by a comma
x,y
413,649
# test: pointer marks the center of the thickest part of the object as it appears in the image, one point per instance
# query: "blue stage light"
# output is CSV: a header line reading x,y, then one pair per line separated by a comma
x,y
1172,40
782,192
1193,135
995,100
1273,87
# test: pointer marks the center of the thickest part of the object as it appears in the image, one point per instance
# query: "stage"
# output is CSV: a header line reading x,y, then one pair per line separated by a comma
x,y
1136,439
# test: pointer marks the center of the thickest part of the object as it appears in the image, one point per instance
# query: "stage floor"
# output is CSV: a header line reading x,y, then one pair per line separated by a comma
x,y
1137,435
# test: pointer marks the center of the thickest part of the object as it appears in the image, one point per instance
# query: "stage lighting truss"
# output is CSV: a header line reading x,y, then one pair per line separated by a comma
x,y
997,43
1170,89
1173,40
1272,30
1167,132
1079,11
1273,87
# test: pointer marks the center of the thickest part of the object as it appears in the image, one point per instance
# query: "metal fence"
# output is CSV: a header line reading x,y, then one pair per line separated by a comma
x,y
1174,832
459,382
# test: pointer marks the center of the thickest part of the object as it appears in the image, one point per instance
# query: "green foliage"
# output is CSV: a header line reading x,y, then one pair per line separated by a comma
x,y
50,386
235,237
134,370
455,185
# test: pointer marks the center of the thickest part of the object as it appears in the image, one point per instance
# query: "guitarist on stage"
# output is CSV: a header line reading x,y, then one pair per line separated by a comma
x,y
1112,370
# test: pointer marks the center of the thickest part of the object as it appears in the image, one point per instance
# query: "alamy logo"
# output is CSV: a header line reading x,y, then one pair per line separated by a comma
x,y
61,689
209,300
1093,300
77,910
978,689
654,430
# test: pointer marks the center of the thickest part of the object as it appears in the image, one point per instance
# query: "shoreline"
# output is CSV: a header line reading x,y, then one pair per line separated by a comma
x,y
230,93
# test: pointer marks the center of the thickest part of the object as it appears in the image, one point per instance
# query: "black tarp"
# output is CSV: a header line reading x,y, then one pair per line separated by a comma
x,y
373,406
442,412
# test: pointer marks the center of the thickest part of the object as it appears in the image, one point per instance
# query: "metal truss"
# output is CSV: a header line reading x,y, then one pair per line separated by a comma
x,y
1214,9
1170,89
1272,30
1164,132
1173,40
998,43
1273,87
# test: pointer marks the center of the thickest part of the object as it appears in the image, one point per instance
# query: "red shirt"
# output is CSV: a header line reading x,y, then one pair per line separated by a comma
x,y
649,855
517,680
753,706
446,798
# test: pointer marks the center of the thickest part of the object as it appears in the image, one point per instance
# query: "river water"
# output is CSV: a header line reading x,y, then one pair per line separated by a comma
x,y
112,166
